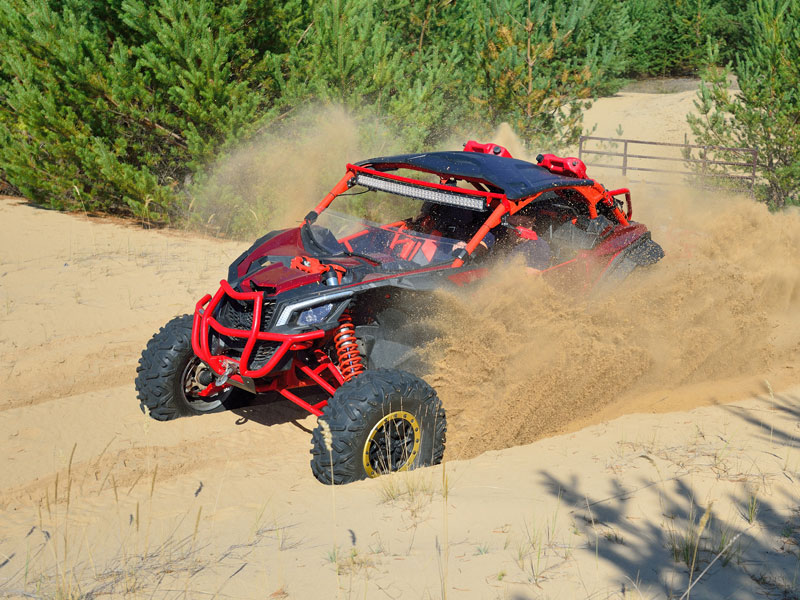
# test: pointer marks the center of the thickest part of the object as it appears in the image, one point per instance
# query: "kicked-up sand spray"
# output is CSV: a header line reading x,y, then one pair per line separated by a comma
x,y
517,359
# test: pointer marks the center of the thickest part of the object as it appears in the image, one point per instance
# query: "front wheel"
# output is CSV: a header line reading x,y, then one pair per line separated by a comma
x,y
380,422
167,378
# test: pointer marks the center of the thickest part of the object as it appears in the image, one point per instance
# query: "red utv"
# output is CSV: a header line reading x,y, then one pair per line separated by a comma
x,y
332,304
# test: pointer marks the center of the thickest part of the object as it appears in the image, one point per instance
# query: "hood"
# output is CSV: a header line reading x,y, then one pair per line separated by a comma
x,y
277,278
283,242
268,265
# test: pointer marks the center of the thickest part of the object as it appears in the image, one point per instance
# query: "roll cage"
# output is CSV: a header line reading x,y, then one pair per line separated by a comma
x,y
487,193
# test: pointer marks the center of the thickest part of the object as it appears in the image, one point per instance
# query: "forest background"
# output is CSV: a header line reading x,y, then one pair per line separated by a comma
x,y
126,106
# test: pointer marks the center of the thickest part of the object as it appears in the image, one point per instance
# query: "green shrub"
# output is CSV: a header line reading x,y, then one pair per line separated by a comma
x,y
116,123
670,35
765,113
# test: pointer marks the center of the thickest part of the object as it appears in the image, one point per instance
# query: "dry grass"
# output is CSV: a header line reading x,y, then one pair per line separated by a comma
x,y
412,488
60,563
568,531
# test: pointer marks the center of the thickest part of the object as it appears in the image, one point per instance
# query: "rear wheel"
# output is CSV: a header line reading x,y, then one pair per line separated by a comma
x,y
645,253
168,376
383,421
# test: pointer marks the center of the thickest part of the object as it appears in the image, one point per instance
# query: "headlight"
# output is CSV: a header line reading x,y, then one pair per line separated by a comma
x,y
314,315
312,306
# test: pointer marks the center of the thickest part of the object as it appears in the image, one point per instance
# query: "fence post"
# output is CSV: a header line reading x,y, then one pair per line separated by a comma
x,y
625,159
753,179
705,162
580,147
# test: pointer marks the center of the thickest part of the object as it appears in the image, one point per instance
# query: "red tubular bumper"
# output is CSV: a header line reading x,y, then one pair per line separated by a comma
x,y
203,321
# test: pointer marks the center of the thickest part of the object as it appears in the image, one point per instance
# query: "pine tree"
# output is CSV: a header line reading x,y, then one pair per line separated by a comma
x,y
765,112
352,55
541,68
117,120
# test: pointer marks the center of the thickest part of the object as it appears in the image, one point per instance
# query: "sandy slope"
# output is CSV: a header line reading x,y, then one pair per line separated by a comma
x,y
655,117
80,299
96,498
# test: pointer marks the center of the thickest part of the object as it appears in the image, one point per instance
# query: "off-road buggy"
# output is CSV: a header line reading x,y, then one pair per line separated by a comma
x,y
332,304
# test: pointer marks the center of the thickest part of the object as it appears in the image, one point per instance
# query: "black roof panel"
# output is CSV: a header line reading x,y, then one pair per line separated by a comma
x,y
517,178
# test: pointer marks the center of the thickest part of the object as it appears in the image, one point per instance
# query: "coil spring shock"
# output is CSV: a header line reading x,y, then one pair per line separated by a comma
x,y
350,361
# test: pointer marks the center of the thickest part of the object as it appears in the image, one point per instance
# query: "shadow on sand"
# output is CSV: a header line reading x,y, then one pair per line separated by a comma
x,y
273,409
753,549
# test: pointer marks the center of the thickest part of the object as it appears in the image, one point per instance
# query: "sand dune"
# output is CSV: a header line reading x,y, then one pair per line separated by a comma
x,y
570,475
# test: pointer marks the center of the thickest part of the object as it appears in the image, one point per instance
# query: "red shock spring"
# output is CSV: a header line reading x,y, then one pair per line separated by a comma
x,y
350,361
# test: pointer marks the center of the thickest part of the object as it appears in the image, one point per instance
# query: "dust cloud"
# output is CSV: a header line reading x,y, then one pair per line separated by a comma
x,y
273,180
517,359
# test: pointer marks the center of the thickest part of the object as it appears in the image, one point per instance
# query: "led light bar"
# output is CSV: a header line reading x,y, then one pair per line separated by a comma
x,y
421,193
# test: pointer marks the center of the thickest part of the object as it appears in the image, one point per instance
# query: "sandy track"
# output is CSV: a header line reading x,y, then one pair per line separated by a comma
x,y
116,445
226,502
80,298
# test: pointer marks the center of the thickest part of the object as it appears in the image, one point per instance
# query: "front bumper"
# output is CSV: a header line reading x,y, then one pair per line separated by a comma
x,y
204,323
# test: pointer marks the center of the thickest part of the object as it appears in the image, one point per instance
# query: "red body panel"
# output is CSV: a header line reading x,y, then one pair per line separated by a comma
x,y
620,238
281,278
285,243
466,277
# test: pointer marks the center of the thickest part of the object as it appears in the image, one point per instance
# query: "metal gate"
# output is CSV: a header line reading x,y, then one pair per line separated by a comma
x,y
712,162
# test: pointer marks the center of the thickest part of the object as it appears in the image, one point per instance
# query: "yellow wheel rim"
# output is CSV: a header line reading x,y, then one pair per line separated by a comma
x,y
392,445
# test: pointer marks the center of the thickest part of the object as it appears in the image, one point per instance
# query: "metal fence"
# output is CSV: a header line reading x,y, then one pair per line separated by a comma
x,y
706,167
